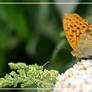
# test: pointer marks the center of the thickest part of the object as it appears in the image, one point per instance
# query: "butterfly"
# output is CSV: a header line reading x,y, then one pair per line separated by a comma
x,y
79,35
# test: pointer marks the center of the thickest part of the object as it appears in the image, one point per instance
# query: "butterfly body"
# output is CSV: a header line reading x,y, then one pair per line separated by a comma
x,y
79,35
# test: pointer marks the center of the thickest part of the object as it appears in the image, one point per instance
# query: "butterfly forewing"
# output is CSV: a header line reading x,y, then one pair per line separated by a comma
x,y
74,28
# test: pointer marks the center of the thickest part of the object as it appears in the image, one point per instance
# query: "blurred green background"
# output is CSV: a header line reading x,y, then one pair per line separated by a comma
x,y
34,34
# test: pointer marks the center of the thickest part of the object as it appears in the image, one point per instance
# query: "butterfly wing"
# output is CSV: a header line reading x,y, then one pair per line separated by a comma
x,y
74,27
84,48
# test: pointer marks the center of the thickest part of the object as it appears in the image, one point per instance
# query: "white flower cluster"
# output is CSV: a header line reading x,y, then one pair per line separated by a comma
x,y
76,79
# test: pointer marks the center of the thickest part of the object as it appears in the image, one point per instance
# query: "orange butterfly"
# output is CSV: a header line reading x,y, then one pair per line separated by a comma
x,y
79,35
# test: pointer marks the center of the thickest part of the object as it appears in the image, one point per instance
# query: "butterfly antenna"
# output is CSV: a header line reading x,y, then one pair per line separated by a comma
x,y
46,63
67,49
77,59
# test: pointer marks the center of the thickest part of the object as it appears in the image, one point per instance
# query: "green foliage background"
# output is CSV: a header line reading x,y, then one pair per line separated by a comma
x,y
34,34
